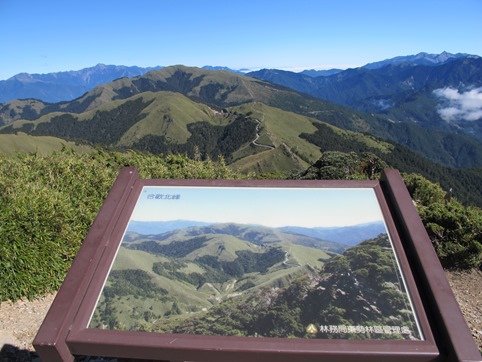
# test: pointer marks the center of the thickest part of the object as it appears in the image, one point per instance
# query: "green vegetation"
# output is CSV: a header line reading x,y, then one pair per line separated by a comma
x,y
220,271
206,140
132,281
41,145
47,204
345,166
171,269
455,229
464,183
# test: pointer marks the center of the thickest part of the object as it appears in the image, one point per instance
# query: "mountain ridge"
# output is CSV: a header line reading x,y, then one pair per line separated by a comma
x,y
421,58
393,78
254,235
350,234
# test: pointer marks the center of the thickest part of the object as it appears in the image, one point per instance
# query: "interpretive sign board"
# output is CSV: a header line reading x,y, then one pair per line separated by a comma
x,y
216,270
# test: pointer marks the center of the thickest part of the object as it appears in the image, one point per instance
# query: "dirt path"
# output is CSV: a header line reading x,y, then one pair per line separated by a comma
x,y
20,321
255,141
467,287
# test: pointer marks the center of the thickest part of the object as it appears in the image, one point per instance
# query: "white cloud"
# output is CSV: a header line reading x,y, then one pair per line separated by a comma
x,y
460,105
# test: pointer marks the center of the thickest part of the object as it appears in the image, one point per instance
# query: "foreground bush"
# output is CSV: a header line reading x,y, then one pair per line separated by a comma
x,y
455,229
47,204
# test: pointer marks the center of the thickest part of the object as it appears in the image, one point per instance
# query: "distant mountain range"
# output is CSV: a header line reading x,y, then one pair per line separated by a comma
x,y
160,227
68,85
346,235
217,67
431,91
64,86
253,234
320,73
419,59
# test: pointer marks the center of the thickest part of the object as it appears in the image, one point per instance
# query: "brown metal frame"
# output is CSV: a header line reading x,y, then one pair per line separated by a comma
x,y
448,324
64,331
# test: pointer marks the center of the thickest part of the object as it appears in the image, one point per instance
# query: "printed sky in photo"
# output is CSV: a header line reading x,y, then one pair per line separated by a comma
x,y
273,207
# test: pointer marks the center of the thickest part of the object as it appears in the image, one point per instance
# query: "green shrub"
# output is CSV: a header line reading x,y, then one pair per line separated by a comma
x,y
48,203
337,165
455,229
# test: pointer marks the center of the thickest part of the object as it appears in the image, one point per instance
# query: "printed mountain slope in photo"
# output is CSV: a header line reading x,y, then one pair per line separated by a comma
x,y
250,280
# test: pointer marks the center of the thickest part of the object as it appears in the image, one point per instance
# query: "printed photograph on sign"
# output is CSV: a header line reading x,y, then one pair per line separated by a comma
x,y
258,262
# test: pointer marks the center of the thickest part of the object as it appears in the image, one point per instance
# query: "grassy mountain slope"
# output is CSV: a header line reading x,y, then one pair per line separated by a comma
x,y
222,240
279,127
168,115
223,246
20,109
167,121
42,145
133,305
216,88
225,89
123,122
179,110
129,259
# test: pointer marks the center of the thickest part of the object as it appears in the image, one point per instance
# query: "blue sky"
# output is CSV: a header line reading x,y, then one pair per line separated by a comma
x,y
52,35
273,207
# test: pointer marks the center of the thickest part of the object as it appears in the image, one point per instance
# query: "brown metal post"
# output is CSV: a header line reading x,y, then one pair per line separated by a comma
x,y
454,337
50,339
